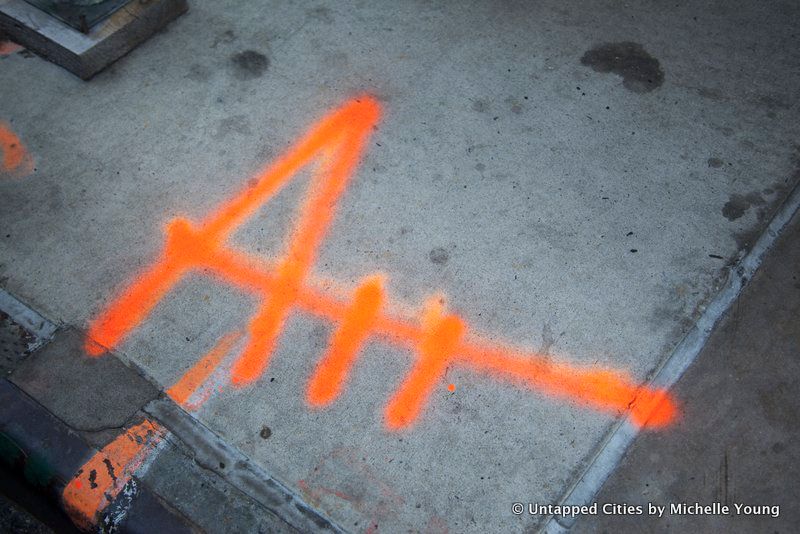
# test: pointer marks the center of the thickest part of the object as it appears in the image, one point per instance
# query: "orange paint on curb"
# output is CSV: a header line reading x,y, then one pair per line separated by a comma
x,y
105,475
100,480
16,160
438,340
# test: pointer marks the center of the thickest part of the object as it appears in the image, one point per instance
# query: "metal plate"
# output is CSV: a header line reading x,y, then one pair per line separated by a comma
x,y
80,14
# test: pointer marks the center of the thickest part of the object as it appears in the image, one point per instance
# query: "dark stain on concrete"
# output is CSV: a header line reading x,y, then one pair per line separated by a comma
x,y
481,106
198,73
439,256
234,124
738,205
226,37
641,72
549,338
775,102
715,163
249,64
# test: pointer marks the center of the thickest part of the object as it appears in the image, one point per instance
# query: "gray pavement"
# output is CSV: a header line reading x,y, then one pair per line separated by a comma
x,y
565,202
14,518
736,443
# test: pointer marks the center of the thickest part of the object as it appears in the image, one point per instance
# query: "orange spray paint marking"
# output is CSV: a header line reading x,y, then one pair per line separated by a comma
x,y
438,340
106,474
16,160
199,373
436,351
100,480
327,381
9,47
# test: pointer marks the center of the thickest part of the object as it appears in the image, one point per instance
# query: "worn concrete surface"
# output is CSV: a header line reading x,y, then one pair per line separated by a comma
x,y
14,341
14,518
89,394
212,504
23,509
561,202
737,441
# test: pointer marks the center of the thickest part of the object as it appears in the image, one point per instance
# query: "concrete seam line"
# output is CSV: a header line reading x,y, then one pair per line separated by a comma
x,y
236,468
622,434
28,318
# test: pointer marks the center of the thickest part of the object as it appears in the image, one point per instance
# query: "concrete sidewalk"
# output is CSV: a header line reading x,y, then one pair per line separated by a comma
x,y
570,187
736,443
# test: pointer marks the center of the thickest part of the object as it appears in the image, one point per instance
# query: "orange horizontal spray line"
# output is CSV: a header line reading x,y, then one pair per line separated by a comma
x,y
337,142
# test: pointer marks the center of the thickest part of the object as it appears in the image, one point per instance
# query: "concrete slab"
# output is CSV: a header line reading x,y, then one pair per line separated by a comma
x,y
217,457
575,213
736,443
213,505
41,449
78,389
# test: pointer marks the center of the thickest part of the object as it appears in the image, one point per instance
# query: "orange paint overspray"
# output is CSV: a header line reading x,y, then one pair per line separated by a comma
x,y
192,379
16,161
336,144
9,47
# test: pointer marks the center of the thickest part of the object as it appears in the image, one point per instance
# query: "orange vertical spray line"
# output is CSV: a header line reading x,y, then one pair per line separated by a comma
x,y
346,342
436,351
266,325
